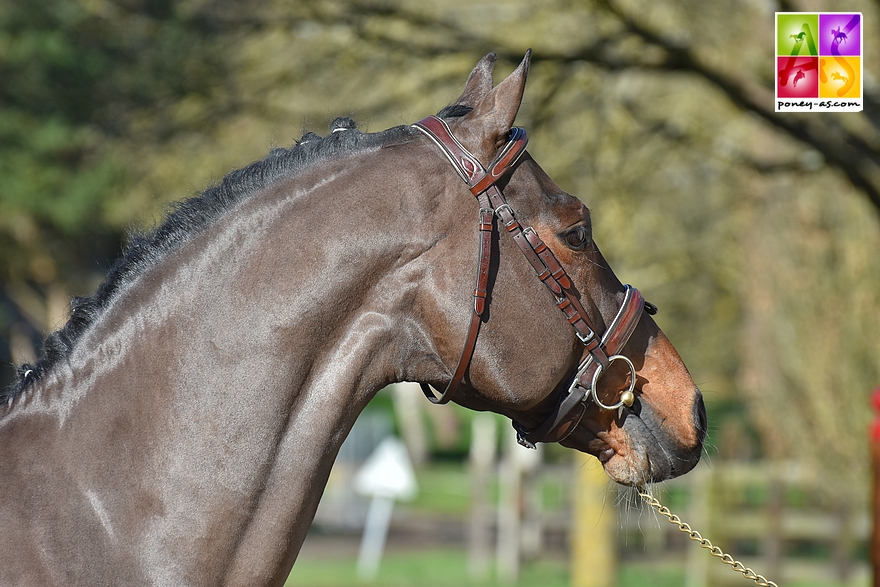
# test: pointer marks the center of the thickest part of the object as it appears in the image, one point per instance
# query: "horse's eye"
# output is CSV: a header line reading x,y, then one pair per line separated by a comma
x,y
577,238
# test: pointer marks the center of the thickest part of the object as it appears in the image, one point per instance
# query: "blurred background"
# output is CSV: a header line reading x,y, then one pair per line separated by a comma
x,y
757,235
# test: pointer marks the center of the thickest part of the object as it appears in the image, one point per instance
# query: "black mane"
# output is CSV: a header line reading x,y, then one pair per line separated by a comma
x,y
188,218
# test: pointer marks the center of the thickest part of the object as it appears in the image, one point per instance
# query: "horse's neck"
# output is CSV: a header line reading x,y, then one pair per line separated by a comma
x,y
297,289
221,384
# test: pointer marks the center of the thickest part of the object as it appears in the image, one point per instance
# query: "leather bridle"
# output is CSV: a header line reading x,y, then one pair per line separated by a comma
x,y
599,353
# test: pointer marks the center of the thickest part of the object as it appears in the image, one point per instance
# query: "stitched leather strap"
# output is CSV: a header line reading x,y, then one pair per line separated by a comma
x,y
480,181
571,407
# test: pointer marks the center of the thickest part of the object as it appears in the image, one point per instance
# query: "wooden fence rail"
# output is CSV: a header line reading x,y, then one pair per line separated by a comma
x,y
770,516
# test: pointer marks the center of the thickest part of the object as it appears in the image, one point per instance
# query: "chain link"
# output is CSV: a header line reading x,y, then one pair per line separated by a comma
x,y
737,566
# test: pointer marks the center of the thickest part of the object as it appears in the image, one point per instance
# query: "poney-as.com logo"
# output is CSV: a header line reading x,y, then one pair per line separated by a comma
x,y
818,61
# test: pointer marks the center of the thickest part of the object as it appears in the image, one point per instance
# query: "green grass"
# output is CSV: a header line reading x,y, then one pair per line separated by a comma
x,y
644,576
448,567
443,488
430,568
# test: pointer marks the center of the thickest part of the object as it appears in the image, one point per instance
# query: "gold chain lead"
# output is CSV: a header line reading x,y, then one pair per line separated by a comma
x,y
737,566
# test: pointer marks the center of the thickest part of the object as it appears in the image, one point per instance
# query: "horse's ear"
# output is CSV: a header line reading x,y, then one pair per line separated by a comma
x,y
479,83
497,109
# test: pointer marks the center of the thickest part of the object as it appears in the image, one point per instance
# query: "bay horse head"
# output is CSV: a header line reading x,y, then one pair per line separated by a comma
x,y
601,377
179,429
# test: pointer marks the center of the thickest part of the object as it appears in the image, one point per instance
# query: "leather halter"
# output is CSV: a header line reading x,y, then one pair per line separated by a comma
x,y
599,353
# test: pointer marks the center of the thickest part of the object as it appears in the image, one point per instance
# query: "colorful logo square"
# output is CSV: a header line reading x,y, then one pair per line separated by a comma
x,y
819,61
798,77
796,34
840,34
839,78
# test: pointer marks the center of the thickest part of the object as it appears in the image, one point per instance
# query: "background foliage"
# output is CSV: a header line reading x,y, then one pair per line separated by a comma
x,y
757,234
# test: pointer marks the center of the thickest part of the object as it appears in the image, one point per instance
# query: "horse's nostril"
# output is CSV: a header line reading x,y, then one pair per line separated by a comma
x,y
700,420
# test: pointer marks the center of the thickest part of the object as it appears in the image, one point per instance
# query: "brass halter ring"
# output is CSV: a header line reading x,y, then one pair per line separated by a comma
x,y
627,397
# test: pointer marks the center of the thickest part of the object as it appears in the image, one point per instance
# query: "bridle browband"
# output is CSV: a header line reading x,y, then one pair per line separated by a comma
x,y
600,353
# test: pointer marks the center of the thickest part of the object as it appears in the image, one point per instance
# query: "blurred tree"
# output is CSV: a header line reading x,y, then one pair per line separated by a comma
x,y
74,79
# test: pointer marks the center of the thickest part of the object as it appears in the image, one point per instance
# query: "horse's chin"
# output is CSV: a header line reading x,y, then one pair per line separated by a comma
x,y
636,449
626,459
633,468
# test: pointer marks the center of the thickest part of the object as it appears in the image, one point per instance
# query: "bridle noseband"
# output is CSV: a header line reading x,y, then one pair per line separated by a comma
x,y
600,353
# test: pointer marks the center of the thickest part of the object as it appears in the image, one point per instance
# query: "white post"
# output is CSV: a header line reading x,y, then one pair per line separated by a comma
x,y
507,552
484,437
373,541
385,476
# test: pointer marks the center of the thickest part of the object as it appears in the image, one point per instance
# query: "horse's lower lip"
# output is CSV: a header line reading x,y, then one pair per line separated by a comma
x,y
605,455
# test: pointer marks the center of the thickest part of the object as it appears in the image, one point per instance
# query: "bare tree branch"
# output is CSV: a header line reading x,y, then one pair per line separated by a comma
x,y
842,149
